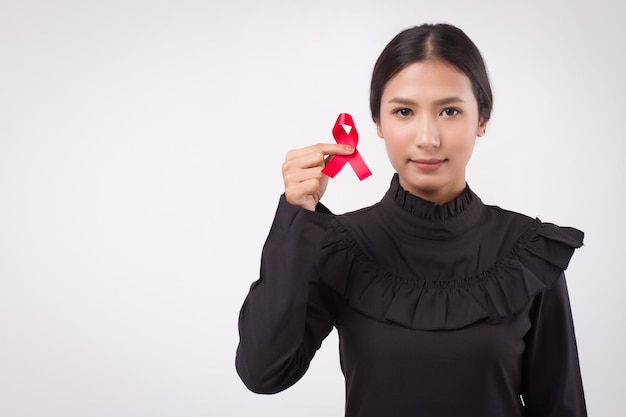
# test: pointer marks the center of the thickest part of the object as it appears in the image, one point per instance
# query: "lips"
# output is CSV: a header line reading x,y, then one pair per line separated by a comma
x,y
431,164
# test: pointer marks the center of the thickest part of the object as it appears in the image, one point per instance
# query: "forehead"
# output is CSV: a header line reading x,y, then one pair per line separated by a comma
x,y
428,79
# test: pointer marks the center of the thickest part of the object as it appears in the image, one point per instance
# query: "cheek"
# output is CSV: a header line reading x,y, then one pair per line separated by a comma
x,y
390,146
461,138
396,132
394,142
395,151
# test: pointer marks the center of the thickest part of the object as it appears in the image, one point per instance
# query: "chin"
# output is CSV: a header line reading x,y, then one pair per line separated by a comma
x,y
421,187
425,182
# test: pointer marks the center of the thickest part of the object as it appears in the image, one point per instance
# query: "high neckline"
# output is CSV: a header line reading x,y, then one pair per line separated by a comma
x,y
424,217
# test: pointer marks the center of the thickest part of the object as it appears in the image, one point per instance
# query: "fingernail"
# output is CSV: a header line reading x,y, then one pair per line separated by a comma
x,y
349,149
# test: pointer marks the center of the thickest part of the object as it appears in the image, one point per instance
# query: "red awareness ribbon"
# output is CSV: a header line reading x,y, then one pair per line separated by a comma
x,y
350,138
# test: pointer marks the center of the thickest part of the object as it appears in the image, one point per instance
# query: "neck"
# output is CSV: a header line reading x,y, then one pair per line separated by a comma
x,y
437,196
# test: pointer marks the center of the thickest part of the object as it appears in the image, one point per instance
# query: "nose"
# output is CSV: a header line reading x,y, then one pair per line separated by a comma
x,y
427,135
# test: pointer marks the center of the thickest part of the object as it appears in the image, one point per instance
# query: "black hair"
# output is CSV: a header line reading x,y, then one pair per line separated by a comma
x,y
428,41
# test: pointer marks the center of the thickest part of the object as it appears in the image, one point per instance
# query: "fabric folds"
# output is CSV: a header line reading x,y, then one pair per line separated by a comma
x,y
535,262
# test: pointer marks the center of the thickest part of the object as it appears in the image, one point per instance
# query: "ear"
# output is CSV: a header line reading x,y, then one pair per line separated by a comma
x,y
379,130
482,127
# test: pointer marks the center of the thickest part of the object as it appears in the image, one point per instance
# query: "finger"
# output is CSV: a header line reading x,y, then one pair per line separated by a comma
x,y
310,186
334,148
301,175
313,156
324,148
297,193
302,161
313,160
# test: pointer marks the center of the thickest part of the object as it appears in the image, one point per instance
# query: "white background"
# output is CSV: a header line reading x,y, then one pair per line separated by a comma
x,y
140,153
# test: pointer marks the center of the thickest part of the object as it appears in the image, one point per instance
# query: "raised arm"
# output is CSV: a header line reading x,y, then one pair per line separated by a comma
x,y
286,315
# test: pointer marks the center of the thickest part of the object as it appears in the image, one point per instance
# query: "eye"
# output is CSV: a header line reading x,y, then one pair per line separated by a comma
x,y
403,111
450,111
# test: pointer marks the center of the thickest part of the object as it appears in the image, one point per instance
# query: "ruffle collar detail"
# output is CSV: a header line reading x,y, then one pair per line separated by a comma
x,y
424,218
428,210
534,264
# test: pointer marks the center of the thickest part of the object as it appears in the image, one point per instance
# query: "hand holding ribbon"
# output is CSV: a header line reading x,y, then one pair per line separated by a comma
x,y
350,138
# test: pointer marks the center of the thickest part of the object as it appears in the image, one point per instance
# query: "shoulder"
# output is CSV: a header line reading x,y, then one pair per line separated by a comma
x,y
503,217
361,227
518,223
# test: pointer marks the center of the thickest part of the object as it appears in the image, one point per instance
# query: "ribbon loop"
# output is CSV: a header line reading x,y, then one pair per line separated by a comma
x,y
350,138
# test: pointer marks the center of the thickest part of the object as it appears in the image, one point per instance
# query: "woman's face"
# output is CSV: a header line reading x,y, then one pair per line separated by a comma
x,y
429,121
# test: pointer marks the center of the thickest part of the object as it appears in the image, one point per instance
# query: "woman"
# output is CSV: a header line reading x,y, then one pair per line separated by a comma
x,y
444,306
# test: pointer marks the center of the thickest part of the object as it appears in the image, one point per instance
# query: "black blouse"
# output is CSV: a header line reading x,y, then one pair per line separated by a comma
x,y
449,310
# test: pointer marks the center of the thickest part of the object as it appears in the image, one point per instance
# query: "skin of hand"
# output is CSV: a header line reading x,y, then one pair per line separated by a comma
x,y
302,173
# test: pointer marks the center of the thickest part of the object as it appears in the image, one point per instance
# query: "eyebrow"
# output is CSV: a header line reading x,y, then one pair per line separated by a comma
x,y
443,101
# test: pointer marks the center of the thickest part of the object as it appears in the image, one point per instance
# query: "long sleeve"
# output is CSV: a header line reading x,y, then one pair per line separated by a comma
x,y
552,385
286,315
